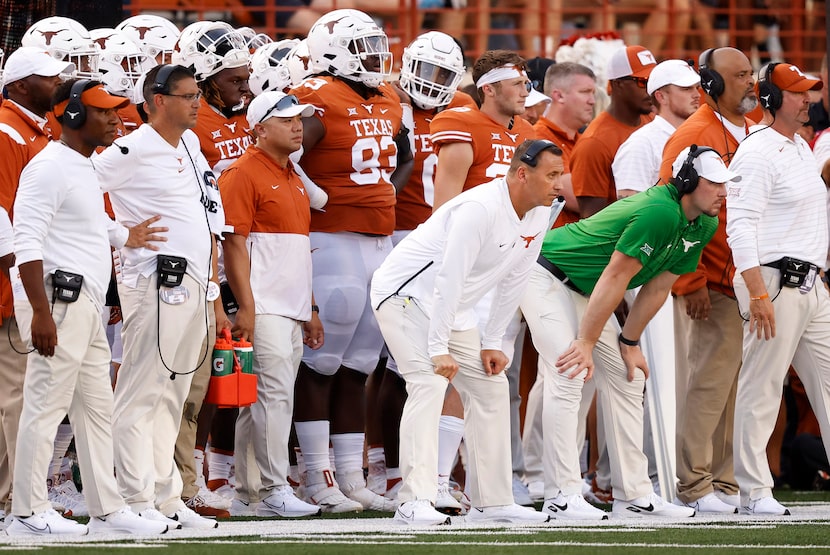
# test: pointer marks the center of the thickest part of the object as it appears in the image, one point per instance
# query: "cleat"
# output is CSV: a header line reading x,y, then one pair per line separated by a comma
x,y
208,504
354,487
446,503
376,478
521,494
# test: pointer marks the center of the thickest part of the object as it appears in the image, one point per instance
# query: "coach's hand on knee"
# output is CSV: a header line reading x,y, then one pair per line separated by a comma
x,y
445,366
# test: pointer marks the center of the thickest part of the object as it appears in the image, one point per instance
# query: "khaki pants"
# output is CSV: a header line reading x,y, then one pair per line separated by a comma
x,y
12,371
486,401
708,359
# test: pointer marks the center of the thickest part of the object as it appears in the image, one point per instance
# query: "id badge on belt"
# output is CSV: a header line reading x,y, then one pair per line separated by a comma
x,y
809,281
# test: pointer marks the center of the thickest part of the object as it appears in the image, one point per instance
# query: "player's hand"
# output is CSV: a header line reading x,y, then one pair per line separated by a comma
x,y
494,361
633,359
698,304
313,332
576,359
762,318
445,366
142,235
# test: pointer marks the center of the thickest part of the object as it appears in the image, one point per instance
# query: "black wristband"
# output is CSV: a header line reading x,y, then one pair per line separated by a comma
x,y
629,342
315,308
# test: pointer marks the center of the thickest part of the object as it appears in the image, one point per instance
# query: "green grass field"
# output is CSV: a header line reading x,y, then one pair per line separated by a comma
x,y
806,531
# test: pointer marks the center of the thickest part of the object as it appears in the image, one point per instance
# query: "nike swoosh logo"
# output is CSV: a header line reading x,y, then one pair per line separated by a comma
x,y
33,138
32,526
275,187
637,509
479,510
181,170
554,507
407,516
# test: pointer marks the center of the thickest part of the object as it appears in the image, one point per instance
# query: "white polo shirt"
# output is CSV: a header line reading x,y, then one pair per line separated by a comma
x,y
636,164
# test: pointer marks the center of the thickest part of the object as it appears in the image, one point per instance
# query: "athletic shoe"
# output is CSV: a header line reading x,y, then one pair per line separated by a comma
x,y
376,478
392,491
188,518
765,506
597,495
521,495
419,512
208,504
648,506
462,497
44,524
222,487
506,513
243,508
734,500
572,507
3,519
354,487
283,502
153,514
445,502
536,490
322,489
709,504
72,500
124,521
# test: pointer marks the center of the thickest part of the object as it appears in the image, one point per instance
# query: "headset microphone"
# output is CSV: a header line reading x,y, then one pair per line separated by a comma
x,y
124,150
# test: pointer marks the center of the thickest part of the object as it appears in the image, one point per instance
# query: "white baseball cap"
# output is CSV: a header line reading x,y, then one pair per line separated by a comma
x,y
707,164
672,72
535,97
275,103
32,60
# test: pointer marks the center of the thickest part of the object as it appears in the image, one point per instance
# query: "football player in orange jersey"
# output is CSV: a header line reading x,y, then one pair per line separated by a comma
x,y
355,150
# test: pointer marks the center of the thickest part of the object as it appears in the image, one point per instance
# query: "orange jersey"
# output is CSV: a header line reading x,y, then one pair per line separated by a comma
x,y
20,139
592,156
222,139
716,268
354,161
546,129
493,144
414,204
130,120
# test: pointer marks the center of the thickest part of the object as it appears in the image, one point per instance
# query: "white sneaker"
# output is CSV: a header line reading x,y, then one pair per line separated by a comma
x,y
243,508
44,524
506,513
72,500
419,512
650,505
283,502
189,518
125,521
213,499
710,504
154,514
376,479
354,487
3,519
521,494
765,506
536,490
734,500
572,507
226,490
445,502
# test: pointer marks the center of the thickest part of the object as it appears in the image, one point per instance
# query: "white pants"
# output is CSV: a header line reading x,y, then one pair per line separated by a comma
x,y
148,404
278,348
76,380
553,313
802,337
486,409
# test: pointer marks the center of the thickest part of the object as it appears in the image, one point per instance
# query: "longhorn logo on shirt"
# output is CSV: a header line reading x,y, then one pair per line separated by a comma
x,y
688,244
512,137
528,239
231,127
368,107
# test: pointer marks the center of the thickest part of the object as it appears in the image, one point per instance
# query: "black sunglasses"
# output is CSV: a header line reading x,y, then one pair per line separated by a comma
x,y
282,104
642,83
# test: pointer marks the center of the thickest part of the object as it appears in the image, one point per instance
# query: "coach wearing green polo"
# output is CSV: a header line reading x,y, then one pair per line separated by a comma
x,y
584,270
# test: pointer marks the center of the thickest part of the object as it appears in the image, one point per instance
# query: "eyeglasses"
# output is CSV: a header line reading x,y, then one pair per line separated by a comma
x,y
282,104
642,83
192,97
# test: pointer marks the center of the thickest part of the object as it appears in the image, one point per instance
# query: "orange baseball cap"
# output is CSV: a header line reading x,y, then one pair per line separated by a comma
x,y
631,61
788,77
95,97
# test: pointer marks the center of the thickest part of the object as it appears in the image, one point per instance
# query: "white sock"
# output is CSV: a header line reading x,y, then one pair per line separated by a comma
x,y
375,455
219,465
348,452
199,461
313,437
62,440
450,432
393,473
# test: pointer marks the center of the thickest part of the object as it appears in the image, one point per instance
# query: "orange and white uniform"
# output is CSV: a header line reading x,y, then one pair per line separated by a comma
x,y
222,139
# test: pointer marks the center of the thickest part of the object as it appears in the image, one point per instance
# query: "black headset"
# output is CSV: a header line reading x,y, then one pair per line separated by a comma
x,y
687,178
769,95
536,147
710,80
160,84
74,115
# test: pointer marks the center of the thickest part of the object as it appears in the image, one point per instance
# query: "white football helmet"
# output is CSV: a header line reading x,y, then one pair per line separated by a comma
x,y
153,34
433,66
349,44
300,65
121,61
269,67
209,47
253,40
67,40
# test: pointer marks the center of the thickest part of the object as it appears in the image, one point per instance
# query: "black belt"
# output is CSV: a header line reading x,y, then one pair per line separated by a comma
x,y
781,264
559,274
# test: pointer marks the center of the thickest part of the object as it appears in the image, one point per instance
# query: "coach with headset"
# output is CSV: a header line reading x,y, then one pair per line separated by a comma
x,y
777,228
166,295
707,328
583,272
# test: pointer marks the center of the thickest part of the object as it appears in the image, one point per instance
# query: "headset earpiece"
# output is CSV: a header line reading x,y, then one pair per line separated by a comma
x,y
74,115
710,80
160,84
687,178
769,95
537,146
